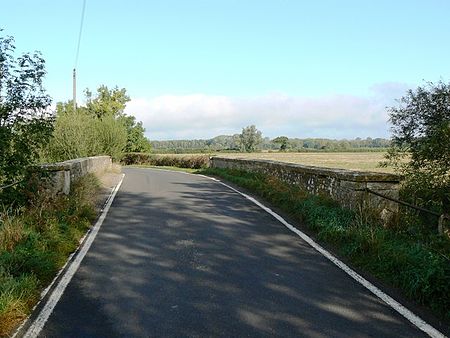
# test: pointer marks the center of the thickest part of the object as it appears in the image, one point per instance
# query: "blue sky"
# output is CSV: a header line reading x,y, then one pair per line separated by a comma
x,y
196,69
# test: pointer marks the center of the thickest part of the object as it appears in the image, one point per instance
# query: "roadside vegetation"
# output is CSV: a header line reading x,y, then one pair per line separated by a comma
x,y
421,135
188,161
25,124
31,133
38,231
35,242
99,128
410,255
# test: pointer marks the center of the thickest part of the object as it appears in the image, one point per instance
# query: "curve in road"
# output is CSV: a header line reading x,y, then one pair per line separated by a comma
x,y
183,256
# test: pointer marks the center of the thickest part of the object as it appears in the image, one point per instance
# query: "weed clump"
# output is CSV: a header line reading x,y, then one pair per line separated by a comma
x,y
35,242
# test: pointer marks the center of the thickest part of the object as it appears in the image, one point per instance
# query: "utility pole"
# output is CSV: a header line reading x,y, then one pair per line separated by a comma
x,y
74,90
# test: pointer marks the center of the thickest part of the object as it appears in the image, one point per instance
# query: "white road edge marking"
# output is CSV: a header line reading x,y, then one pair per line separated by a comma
x,y
38,324
410,316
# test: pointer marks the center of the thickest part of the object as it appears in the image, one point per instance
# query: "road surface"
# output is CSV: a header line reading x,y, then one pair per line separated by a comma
x,y
183,256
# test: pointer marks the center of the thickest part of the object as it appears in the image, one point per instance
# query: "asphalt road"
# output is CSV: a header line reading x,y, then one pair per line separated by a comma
x,y
183,256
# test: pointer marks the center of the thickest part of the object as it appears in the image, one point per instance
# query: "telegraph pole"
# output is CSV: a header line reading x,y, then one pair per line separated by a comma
x,y
74,90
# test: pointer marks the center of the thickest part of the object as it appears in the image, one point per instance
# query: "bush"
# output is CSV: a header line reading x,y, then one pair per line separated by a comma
x,y
110,137
99,128
73,136
25,124
191,161
420,149
80,134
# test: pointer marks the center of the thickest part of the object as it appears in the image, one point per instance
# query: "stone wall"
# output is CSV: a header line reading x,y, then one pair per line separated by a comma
x,y
345,186
62,174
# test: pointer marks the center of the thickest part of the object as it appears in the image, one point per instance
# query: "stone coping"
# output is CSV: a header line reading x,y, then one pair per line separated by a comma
x,y
343,174
67,165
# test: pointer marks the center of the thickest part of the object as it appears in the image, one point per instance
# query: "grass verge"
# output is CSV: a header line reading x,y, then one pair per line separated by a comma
x,y
415,262
35,243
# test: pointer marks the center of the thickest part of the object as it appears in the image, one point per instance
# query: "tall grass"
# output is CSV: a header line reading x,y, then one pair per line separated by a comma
x,y
35,242
407,256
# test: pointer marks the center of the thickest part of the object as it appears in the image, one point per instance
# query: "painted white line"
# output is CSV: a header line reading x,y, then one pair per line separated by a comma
x,y
402,310
410,316
38,324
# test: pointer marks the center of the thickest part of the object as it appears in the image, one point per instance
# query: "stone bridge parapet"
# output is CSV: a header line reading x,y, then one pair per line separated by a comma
x,y
348,187
62,174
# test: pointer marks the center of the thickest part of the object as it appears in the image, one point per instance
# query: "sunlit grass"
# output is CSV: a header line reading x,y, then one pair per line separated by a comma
x,y
365,161
35,243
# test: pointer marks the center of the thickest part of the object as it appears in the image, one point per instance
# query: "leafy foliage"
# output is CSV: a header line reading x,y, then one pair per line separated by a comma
x,y
25,124
282,141
136,141
250,138
107,102
99,128
421,144
81,134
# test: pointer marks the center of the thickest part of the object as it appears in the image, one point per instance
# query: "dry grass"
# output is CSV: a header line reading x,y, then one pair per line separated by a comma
x,y
35,243
365,161
17,297
11,231
354,161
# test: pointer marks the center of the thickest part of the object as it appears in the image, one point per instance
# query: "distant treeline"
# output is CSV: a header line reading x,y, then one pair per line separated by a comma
x,y
231,143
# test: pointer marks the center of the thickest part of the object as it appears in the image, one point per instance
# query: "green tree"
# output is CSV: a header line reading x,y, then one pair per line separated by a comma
x,y
99,128
25,122
420,148
107,101
282,141
95,129
74,134
235,143
250,138
112,103
136,140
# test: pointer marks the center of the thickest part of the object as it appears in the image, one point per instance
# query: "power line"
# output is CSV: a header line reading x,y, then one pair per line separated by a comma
x,y
79,34
74,84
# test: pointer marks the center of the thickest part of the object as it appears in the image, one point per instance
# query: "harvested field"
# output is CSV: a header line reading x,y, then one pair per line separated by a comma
x,y
365,161
368,161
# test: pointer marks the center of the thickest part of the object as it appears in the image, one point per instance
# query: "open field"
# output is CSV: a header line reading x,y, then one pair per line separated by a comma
x,y
366,161
354,161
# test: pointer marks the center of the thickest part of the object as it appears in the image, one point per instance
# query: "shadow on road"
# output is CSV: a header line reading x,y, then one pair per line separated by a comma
x,y
187,257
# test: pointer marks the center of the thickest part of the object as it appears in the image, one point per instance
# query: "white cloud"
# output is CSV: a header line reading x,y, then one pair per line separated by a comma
x,y
205,116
